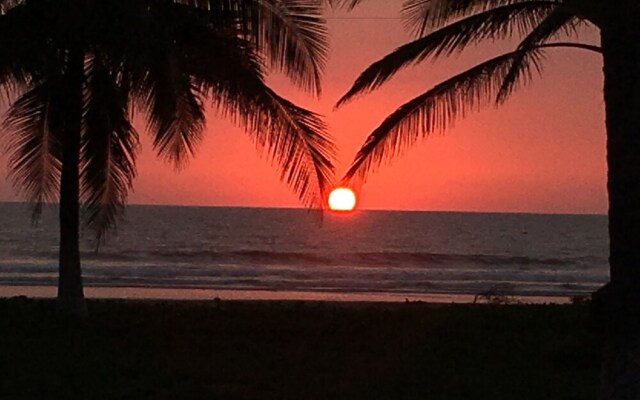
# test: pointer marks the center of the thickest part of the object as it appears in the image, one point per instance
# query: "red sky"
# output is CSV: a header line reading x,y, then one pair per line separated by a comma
x,y
544,151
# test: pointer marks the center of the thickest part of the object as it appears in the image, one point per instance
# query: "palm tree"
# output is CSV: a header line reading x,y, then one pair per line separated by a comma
x,y
75,70
443,27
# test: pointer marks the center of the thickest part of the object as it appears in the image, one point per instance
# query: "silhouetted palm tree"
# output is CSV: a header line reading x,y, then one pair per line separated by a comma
x,y
74,71
444,27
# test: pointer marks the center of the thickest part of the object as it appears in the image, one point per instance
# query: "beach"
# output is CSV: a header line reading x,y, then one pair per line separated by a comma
x,y
296,349
168,293
229,303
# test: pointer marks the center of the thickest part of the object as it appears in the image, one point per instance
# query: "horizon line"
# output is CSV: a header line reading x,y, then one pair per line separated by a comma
x,y
329,211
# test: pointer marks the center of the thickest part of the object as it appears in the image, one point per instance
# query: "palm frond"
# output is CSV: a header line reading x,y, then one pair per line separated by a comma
x,y
560,20
109,147
496,23
173,105
206,61
436,109
295,139
291,34
347,4
183,48
423,16
24,54
226,69
33,129
6,5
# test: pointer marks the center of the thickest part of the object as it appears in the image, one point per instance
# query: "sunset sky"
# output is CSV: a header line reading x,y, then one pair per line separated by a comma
x,y
544,151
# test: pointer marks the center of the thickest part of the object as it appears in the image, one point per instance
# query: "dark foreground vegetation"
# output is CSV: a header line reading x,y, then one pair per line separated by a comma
x,y
296,350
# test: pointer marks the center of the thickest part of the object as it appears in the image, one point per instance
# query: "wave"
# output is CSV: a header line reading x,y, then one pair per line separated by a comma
x,y
275,249
352,259
419,287
438,279
261,256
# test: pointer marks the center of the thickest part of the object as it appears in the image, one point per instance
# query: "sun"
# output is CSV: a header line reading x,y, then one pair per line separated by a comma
x,y
342,199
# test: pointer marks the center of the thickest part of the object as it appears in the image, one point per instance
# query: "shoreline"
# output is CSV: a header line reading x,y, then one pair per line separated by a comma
x,y
183,294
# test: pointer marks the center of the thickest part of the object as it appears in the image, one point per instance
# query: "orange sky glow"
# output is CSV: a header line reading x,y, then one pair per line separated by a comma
x,y
544,151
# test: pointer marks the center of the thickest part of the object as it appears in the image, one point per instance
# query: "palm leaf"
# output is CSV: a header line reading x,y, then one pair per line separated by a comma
x,y
295,139
175,115
183,48
226,69
33,129
109,147
189,59
347,4
560,20
291,34
435,110
422,16
438,108
6,5
24,54
496,23
294,36
166,92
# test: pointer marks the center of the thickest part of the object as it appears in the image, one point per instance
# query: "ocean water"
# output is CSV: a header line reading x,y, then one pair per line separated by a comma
x,y
286,249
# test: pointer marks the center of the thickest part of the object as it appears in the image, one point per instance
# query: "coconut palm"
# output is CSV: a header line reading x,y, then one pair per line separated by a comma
x,y
74,71
444,27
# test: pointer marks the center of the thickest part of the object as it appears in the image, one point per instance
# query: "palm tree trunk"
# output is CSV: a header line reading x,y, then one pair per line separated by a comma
x,y
620,301
70,291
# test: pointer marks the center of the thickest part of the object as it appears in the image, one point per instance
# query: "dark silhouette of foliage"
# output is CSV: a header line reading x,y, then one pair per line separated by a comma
x,y
444,27
75,71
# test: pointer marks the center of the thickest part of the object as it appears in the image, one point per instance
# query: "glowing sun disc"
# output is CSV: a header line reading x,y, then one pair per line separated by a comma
x,y
342,199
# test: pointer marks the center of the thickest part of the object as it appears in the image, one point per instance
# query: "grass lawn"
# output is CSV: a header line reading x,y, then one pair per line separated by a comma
x,y
297,350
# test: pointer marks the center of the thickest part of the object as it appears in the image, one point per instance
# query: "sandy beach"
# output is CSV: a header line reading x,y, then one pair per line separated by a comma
x,y
142,293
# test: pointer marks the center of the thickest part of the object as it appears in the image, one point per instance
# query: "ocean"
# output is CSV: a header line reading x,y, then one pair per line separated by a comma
x,y
396,252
